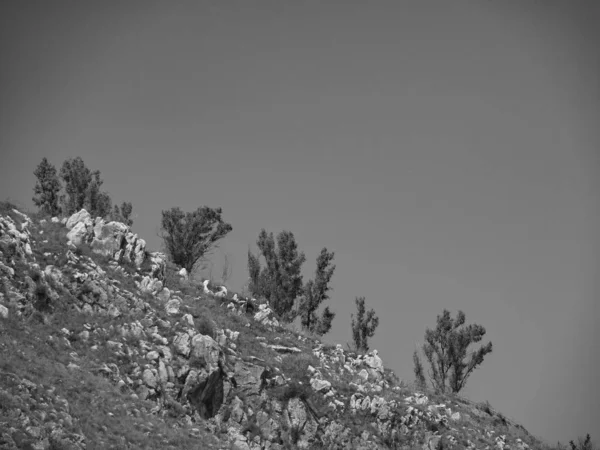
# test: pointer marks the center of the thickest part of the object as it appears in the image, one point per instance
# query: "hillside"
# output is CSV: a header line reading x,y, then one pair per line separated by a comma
x,y
105,345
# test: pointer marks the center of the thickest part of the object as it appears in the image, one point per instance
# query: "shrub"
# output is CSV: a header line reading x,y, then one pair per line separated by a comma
x,y
47,188
188,237
280,282
42,301
205,325
315,293
82,189
446,349
364,326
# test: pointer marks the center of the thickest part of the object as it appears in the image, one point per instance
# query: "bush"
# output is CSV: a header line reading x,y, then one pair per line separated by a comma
x,y
206,326
363,328
42,300
446,350
188,237
280,282
315,293
47,188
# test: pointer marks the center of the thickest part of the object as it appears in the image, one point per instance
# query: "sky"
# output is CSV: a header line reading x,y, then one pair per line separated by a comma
x,y
447,152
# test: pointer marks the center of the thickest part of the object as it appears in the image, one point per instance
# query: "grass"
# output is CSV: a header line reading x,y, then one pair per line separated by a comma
x,y
34,348
102,415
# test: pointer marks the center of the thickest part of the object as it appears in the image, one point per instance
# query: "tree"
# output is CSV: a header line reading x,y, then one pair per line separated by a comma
x,y
446,351
419,372
280,281
582,445
364,326
123,214
47,188
82,189
226,270
315,293
188,237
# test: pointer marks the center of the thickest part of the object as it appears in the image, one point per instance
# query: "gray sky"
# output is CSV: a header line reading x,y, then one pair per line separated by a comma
x,y
447,152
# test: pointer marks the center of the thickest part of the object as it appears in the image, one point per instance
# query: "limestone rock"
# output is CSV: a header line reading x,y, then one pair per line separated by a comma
x,y
206,349
79,217
172,306
78,234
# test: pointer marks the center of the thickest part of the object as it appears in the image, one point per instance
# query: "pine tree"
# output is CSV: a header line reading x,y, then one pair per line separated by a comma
x,y
364,326
188,237
446,351
280,281
47,188
315,293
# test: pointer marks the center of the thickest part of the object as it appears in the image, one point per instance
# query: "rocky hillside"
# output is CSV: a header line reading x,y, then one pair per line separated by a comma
x,y
107,345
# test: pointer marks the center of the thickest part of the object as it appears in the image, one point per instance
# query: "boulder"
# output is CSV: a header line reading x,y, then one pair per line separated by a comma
x,y
172,306
206,349
108,237
79,217
207,396
78,234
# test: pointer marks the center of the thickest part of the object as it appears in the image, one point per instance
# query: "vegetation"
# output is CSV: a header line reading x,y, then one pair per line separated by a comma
x,y
123,214
280,281
37,349
446,350
188,237
47,188
315,293
364,326
81,190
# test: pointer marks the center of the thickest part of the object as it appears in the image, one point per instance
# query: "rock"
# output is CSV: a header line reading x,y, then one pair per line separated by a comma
x,y
55,220
163,374
79,217
7,271
206,349
172,306
320,385
164,295
3,312
262,314
149,378
108,238
182,343
431,441
374,361
222,292
151,356
78,234
207,396
54,273
284,349
183,273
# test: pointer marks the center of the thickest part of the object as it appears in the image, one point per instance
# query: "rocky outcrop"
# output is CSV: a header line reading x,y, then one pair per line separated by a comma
x,y
255,392
112,239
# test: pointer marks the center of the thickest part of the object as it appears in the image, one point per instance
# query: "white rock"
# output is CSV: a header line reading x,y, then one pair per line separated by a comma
x,y
3,312
79,217
222,292
320,385
78,233
187,318
183,273
172,306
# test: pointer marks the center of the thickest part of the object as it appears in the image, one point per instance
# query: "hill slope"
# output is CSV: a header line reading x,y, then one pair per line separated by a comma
x,y
105,345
